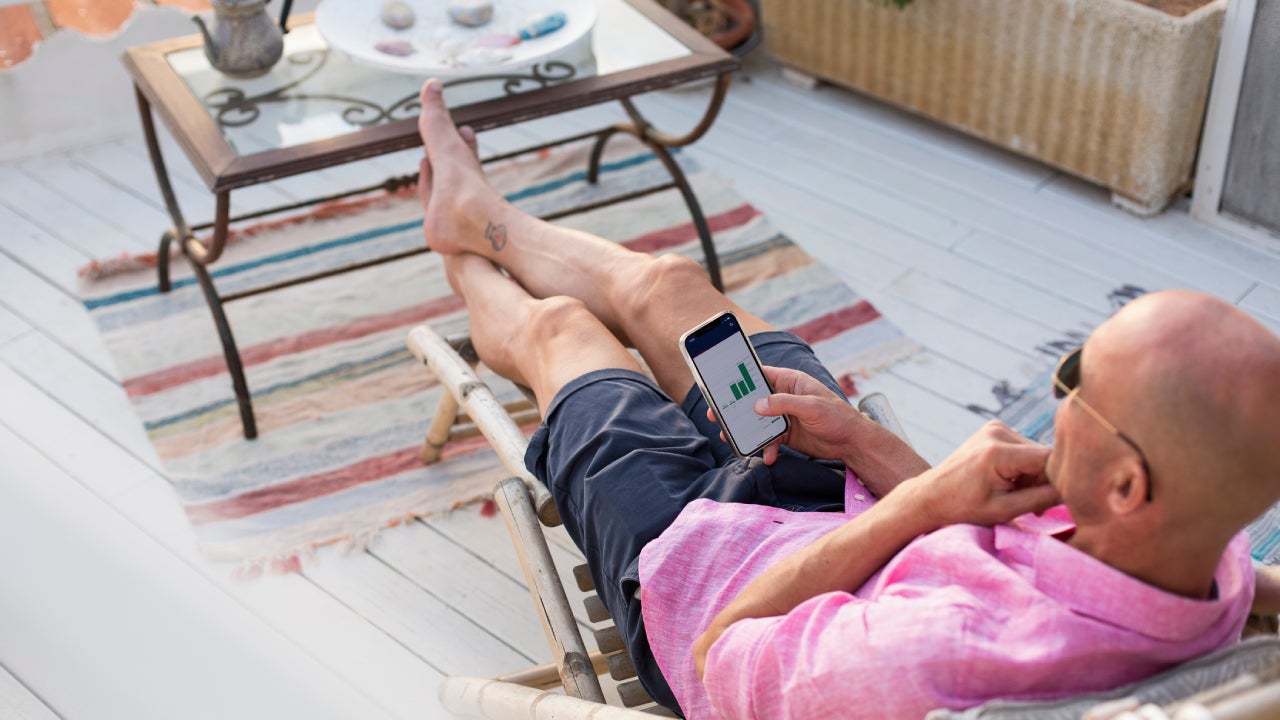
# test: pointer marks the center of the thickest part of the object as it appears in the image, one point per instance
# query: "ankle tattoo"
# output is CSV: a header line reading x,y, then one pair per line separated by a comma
x,y
496,235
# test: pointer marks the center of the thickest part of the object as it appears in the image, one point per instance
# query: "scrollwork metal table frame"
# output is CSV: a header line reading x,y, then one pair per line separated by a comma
x,y
549,88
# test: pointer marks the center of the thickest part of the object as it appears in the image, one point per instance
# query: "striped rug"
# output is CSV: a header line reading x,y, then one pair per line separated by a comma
x,y
342,406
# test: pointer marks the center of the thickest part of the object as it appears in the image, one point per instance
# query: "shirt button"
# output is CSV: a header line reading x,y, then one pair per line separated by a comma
x,y
859,497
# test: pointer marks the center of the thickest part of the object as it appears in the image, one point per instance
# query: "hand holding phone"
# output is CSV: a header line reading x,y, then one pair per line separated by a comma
x,y
729,374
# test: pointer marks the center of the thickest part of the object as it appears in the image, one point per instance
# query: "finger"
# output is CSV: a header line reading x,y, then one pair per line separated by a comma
x,y
1029,500
783,379
771,452
1015,461
711,415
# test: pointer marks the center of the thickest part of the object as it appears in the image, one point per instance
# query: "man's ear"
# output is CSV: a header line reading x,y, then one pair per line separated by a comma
x,y
1127,489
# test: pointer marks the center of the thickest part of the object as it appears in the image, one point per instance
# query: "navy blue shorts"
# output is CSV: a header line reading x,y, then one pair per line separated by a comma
x,y
622,460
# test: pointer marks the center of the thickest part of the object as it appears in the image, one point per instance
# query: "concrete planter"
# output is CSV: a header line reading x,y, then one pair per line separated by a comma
x,y
1110,90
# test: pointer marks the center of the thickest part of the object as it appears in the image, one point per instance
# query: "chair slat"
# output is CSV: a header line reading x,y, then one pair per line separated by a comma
x,y
596,611
609,640
582,574
621,667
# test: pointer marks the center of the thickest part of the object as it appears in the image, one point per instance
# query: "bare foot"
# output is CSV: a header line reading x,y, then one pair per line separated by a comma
x,y
460,209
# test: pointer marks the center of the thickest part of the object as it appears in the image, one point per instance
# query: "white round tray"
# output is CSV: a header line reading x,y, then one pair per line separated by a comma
x,y
355,27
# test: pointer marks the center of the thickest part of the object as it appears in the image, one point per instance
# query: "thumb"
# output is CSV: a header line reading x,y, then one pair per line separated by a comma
x,y
781,404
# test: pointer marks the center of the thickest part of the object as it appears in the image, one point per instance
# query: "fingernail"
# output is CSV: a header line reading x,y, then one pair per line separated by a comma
x,y
434,85
762,406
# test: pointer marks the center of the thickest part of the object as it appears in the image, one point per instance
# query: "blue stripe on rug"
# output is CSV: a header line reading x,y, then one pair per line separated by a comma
x,y
532,191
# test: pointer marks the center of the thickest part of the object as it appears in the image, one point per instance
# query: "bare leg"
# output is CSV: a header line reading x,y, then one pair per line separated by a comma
x,y
542,344
644,301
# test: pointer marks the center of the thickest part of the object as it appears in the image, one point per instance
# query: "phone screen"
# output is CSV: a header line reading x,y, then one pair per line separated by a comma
x,y
729,375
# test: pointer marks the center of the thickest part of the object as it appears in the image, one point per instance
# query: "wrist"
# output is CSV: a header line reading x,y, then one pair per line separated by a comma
x,y
918,505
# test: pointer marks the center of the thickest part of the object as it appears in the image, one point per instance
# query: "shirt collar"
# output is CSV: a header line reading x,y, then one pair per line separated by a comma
x,y
1091,587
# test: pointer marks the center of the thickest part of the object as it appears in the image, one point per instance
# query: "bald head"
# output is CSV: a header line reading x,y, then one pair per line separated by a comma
x,y
1196,383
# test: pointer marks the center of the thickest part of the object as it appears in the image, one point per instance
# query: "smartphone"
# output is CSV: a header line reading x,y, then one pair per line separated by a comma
x,y
728,372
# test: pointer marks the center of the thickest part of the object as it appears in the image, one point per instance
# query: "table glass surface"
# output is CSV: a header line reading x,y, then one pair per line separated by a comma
x,y
315,93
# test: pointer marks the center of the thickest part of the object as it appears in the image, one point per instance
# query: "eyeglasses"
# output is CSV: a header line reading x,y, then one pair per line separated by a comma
x,y
1066,383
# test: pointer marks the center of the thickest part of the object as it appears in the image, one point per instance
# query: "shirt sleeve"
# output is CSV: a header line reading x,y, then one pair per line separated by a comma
x,y
835,656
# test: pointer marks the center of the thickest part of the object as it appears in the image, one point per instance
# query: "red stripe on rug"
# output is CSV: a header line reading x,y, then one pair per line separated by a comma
x,y
309,488
669,237
306,488
215,364
834,323
264,352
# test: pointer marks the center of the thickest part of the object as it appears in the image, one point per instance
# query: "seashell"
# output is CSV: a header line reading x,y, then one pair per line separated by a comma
x,y
399,48
448,51
397,14
482,56
472,13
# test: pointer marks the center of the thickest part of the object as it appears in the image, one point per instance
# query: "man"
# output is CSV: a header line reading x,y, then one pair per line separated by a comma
x,y
739,597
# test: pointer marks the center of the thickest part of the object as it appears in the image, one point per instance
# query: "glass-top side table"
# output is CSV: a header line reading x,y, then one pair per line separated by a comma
x,y
317,109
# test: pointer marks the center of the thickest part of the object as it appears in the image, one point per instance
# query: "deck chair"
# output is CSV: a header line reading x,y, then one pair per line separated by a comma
x,y
1238,683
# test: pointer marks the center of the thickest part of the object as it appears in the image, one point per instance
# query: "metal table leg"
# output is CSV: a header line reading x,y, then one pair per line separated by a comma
x,y
199,256
661,144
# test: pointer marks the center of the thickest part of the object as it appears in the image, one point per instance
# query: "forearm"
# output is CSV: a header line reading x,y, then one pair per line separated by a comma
x,y
880,459
841,560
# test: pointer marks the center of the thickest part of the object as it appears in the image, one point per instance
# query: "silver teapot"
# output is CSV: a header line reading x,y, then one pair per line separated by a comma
x,y
242,41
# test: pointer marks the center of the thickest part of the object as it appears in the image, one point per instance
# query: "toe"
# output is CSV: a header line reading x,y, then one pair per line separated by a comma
x,y
469,137
434,124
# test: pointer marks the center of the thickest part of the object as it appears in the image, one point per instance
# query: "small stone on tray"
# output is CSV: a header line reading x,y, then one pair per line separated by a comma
x,y
399,48
397,14
472,13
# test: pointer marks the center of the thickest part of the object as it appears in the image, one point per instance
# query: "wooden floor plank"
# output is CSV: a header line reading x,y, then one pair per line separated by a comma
x,y
60,317
66,221
488,540
17,702
68,440
87,393
976,313
100,621
31,246
809,171
882,125
1132,236
84,189
1071,284
11,326
475,590
445,639
939,415
932,328
345,643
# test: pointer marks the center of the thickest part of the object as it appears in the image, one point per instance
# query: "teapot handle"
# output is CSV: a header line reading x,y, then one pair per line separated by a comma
x,y
284,16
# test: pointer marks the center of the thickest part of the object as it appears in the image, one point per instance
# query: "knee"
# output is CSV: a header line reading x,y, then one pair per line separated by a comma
x,y
559,319
666,279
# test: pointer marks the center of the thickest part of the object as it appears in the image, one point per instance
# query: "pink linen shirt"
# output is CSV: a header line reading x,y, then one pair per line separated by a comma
x,y
960,616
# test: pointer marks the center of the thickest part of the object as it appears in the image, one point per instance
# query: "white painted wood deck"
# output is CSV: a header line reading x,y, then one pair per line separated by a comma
x,y
107,611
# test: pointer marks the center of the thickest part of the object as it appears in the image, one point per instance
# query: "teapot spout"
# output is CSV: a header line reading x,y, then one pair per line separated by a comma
x,y
210,47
